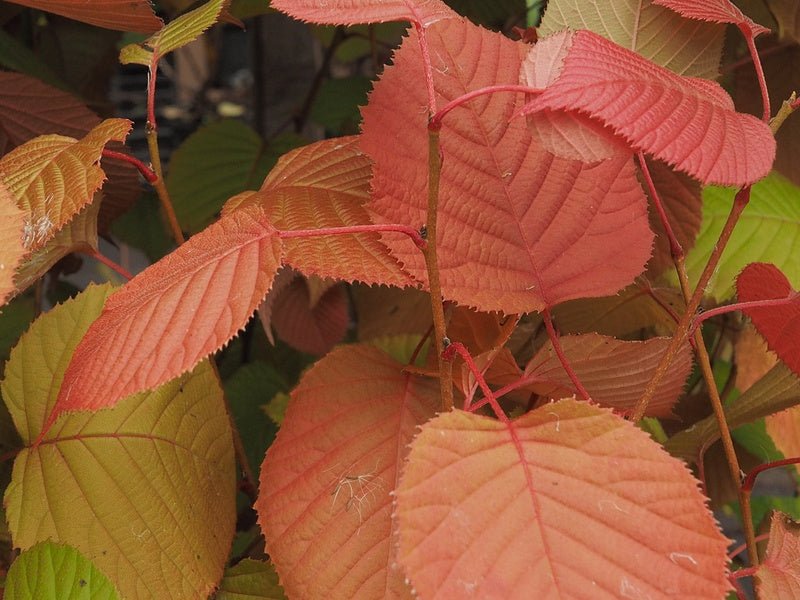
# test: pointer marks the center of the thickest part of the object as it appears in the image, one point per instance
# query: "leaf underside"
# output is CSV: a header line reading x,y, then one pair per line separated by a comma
x,y
121,15
351,12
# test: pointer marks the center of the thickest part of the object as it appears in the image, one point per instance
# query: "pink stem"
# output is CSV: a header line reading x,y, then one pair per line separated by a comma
x,y
312,233
436,120
458,348
426,63
675,247
762,82
750,480
553,335
738,550
146,171
120,270
743,306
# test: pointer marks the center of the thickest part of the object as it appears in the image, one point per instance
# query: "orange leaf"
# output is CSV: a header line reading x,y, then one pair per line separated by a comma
x,y
54,177
784,429
11,249
29,108
174,313
519,229
326,185
778,576
325,505
567,501
351,12
615,372
122,15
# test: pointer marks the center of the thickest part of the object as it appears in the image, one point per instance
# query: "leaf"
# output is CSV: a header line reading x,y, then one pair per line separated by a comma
x,y
780,325
767,231
326,185
121,15
777,390
614,372
54,177
690,124
145,490
784,430
715,11
787,14
12,250
16,56
494,15
632,310
79,235
777,576
183,30
214,163
174,313
567,501
687,47
382,311
518,228
310,328
250,580
29,108
325,506
49,571
351,12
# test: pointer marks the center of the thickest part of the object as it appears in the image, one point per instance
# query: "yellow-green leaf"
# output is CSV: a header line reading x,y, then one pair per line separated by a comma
x,y
145,490
53,177
51,571
250,580
177,33
11,248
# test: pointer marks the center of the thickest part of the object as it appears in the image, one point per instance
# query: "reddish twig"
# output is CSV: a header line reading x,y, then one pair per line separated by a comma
x,y
750,480
146,171
762,82
721,310
675,247
741,548
119,269
488,396
573,376
436,120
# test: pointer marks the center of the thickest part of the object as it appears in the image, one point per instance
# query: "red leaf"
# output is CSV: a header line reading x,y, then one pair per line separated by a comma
x,y
615,372
325,505
519,228
351,12
780,325
326,185
688,123
311,328
778,576
122,15
174,313
568,501
716,11
29,108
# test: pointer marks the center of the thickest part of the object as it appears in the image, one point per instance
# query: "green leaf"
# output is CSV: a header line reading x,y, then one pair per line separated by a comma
x,y
688,47
216,162
336,107
50,571
18,57
145,490
14,320
768,231
252,386
250,580
777,390
275,409
183,30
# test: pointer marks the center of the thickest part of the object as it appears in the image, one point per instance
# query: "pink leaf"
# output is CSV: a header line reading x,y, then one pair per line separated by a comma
x,y
519,228
778,577
716,11
780,325
325,505
689,123
174,313
567,501
351,12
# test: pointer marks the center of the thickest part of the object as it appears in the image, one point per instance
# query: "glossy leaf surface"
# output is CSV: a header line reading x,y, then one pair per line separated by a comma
x,y
145,490
325,507
518,228
568,501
